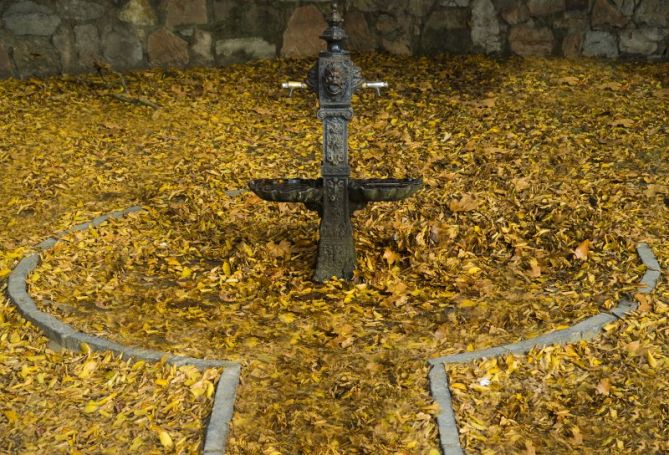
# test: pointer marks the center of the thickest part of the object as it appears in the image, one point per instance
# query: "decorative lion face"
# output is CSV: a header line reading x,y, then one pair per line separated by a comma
x,y
334,80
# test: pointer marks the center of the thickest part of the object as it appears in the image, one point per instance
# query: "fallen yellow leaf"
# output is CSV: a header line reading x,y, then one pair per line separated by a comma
x,y
166,439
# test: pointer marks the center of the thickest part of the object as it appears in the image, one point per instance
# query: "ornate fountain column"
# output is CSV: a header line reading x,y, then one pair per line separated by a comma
x,y
335,196
335,78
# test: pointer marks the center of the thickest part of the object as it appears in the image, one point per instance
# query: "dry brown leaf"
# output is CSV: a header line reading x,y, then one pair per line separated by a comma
x,y
614,86
623,122
529,448
391,257
569,80
582,250
661,93
645,302
633,347
466,203
282,249
604,387
521,183
535,270
654,189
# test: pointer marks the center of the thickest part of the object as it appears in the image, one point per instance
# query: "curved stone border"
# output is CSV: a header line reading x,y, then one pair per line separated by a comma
x,y
448,430
218,427
67,337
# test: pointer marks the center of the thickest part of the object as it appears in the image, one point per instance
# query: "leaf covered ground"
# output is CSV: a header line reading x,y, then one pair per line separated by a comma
x,y
607,396
540,178
68,403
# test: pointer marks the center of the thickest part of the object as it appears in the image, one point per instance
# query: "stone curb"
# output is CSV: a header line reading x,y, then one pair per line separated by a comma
x,y
584,330
65,336
218,426
448,428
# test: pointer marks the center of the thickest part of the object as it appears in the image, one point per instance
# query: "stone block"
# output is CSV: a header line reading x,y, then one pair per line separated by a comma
x,y
485,26
46,244
600,44
138,12
6,68
649,281
572,45
626,6
80,10
301,38
30,18
516,14
448,19
87,43
52,327
604,15
35,55
164,48
242,49
185,12
399,46
267,20
201,47
223,9
447,30
457,3
527,40
360,37
456,41
654,13
573,21
591,327
644,251
540,8
122,49
63,41
640,42
222,411
420,8
386,24
576,5
624,308
370,5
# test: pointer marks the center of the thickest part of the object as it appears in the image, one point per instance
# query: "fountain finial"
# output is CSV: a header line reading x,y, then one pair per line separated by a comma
x,y
335,16
335,34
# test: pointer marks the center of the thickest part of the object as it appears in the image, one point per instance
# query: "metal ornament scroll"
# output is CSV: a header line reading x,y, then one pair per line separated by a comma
x,y
335,145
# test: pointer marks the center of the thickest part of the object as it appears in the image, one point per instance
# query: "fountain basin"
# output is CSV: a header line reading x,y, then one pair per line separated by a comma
x,y
369,190
288,190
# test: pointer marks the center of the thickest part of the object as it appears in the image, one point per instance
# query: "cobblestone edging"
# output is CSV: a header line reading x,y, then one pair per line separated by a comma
x,y
584,330
64,335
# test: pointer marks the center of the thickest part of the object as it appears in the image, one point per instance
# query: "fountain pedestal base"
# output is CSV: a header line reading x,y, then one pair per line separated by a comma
x,y
335,198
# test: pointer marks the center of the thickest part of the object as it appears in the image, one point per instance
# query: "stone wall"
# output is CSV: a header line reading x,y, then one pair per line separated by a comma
x,y
40,37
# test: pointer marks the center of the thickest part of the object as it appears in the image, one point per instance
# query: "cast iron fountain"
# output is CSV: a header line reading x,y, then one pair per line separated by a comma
x,y
335,196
